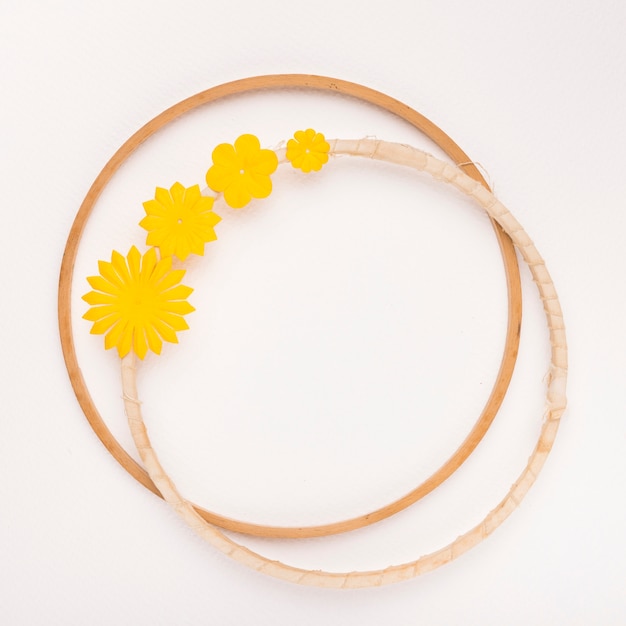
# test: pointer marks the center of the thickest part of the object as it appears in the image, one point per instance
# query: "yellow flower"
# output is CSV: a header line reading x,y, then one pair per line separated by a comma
x,y
179,221
308,151
137,302
242,171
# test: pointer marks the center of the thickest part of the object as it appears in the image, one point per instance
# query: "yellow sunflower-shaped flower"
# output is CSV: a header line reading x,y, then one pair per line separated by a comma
x,y
138,302
242,171
179,221
308,151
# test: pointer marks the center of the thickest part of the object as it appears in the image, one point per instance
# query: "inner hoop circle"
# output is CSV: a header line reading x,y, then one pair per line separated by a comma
x,y
556,403
282,81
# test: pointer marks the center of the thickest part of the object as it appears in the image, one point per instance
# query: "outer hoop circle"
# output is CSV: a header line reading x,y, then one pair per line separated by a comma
x,y
279,81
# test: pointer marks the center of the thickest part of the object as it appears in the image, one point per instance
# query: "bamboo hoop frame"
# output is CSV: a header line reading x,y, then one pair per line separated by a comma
x,y
556,400
282,81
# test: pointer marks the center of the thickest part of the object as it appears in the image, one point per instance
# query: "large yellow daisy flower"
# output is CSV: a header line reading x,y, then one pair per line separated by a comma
x,y
242,171
137,302
179,221
308,150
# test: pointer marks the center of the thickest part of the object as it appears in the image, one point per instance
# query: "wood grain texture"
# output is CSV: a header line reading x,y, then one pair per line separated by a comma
x,y
358,92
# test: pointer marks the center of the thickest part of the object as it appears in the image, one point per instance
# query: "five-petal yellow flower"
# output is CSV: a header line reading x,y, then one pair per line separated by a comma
x,y
179,221
308,151
138,302
242,171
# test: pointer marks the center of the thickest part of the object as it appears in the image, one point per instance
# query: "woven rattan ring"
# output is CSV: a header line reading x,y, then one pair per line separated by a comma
x,y
418,160
277,82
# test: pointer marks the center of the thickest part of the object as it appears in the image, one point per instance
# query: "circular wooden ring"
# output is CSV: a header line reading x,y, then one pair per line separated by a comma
x,y
281,81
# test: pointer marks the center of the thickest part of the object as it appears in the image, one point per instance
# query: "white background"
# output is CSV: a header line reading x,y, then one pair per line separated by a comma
x,y
334,314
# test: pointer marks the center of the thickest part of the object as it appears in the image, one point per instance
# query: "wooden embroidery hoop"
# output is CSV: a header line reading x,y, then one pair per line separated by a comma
x,y
283,81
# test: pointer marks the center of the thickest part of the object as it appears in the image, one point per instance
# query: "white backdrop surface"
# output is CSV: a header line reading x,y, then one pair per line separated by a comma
x,y
348,328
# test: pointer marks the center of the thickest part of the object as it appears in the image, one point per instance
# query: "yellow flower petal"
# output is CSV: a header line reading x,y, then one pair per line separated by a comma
x,y
264,162
193,197
162,268
258,185
154,341
154,208
121,268
224,154
172,278
197,245
151,223
180,292
134,260
108,271
163,197
101,326
219,177
167,244
102,284
247,145
183,249
165,331
181,308
174,321
140,346
319,144
237,196
95,297
126,341
113,336
177,191
96,313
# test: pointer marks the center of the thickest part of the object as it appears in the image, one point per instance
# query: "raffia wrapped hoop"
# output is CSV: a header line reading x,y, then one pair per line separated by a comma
x,y
362,148
555,402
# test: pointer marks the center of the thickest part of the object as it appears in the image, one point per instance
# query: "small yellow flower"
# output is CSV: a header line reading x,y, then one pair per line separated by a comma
x,y
137,302
308,151
179,221
242,171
